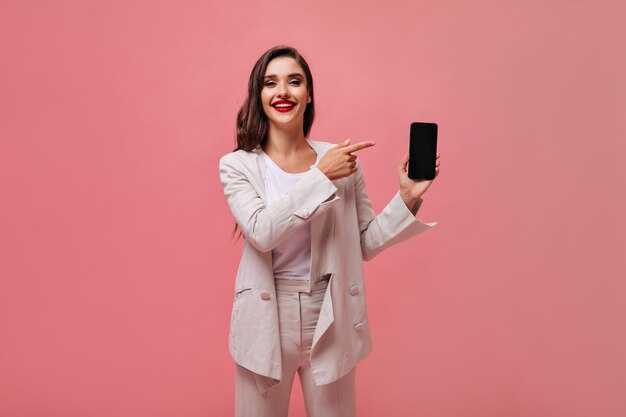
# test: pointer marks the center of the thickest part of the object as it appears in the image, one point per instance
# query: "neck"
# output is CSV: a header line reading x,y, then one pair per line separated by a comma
x,y
285,141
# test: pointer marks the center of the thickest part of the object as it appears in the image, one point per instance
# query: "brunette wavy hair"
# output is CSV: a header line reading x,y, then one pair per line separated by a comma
x,y
252,123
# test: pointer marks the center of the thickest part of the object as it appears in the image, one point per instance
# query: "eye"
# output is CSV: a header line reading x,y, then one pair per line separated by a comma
x,y
270,83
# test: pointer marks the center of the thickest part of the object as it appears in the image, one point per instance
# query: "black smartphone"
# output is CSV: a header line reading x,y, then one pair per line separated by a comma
x,y
422,151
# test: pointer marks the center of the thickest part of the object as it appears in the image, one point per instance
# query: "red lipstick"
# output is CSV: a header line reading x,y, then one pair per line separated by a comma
x,y
285,106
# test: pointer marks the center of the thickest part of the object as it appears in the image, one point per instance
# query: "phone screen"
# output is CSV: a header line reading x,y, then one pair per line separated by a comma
x,y
422,150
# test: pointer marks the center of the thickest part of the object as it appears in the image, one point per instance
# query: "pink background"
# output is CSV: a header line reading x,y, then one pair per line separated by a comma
x,y
117,267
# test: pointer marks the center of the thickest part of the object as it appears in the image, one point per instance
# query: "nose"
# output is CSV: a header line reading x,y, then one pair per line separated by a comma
x,y
283,91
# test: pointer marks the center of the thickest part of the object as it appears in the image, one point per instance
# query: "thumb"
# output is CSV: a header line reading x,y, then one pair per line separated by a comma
x,y
404,161
342,144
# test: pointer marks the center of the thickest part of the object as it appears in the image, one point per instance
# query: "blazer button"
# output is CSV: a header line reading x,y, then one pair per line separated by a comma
x,y
359,326
265,295
304,213
354,290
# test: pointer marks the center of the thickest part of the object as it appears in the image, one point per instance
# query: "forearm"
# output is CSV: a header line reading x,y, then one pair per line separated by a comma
x,y
266,226
394,224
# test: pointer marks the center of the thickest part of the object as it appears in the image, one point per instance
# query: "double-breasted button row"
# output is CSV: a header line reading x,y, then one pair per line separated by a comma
x,y
265,295
354,290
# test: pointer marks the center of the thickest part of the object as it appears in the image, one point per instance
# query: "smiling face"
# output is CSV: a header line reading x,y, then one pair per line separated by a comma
x,y
285,83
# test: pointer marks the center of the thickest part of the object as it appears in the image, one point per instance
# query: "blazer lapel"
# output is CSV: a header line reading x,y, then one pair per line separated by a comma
x,y
260,172
317,223
319,227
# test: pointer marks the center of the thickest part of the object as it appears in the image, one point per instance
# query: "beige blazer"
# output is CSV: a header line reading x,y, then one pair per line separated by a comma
x,y
345,231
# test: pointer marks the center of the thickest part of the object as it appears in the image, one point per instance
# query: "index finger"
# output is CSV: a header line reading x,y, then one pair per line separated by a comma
x,y
359,146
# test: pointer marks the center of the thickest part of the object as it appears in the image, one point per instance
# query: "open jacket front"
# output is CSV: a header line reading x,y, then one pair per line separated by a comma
x,y
345,230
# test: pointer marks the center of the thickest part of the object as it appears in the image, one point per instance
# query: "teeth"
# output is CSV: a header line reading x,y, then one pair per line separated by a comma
x,y
283,105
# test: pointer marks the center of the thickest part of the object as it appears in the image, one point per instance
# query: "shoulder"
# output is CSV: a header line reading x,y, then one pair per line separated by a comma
x,y
321,146
238,158
239,164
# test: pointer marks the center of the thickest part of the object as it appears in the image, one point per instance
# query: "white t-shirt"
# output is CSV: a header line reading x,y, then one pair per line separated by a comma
x,y
292,257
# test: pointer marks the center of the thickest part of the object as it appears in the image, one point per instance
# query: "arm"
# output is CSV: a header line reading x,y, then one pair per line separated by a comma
x,y
265,227
394,224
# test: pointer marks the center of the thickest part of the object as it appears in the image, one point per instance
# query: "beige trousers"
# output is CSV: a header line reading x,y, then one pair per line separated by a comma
x,y
297,314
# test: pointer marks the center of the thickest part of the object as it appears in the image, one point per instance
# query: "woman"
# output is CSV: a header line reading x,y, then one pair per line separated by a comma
x,y
299,302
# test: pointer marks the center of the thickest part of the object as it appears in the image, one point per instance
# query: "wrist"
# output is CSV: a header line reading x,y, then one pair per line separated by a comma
x,y
408,199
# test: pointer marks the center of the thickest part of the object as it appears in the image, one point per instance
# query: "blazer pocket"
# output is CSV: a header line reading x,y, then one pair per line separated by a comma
x,y
240,295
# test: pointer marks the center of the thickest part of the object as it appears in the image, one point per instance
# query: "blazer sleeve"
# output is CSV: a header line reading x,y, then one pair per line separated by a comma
x,y
266,226
394,224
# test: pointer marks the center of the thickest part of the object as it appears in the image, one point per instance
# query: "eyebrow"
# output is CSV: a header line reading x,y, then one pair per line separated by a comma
x,y
295,74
